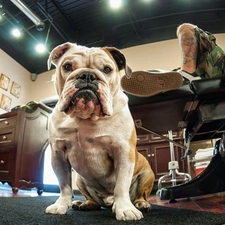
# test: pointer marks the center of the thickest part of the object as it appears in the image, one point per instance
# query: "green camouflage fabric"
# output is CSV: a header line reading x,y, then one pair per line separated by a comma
x,y
211,58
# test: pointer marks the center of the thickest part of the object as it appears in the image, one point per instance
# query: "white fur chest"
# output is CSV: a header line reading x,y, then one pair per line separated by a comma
x,y
91,146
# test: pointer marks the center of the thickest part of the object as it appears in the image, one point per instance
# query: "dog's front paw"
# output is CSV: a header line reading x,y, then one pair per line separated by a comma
x,y
56,209
126,211
142,205
59,207
85,206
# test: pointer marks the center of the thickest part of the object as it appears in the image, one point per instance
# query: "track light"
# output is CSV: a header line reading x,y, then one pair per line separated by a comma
x,y
40,25
1,12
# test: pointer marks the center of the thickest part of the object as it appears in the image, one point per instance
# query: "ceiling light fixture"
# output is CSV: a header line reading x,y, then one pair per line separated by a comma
x,y
40,25
115,3
16,32
40,48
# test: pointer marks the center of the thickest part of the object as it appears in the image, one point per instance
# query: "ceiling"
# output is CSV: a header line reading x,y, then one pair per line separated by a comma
x,y
94,23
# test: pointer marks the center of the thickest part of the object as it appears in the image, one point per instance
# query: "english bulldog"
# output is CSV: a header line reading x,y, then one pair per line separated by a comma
x,y
91,130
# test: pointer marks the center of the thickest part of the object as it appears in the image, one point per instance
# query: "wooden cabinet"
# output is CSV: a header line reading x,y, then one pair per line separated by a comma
x,y
23,140
157,152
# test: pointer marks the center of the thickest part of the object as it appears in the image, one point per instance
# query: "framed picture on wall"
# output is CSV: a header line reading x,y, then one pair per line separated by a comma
x,y
5,102
4,82
15,89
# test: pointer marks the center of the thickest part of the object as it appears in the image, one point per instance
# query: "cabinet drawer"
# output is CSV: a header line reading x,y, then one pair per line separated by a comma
x,y
143,139
5,168
8,122
7,137
176,135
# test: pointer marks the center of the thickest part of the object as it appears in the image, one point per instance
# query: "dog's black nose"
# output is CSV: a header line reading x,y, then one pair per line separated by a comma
x,y
87,76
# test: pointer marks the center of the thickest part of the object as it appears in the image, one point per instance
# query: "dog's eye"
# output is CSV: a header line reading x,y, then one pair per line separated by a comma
x,y
107,69
67,67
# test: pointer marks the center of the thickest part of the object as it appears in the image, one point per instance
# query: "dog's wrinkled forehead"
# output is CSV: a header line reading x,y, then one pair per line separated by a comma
x,y
61,50
67,48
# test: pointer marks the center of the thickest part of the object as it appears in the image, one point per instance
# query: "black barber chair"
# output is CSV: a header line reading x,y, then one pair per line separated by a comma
x,y
153,112
211,180
205,121
200,108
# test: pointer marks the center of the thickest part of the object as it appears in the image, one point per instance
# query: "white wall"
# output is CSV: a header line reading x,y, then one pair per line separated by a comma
x,y
43,87
30,90
16,73
161,55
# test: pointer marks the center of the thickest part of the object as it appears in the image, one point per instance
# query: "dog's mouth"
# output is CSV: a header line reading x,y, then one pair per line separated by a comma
x,y
86,97
84,100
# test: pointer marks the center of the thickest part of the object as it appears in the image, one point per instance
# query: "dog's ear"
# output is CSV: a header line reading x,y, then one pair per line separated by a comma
x,y
120,60
57,52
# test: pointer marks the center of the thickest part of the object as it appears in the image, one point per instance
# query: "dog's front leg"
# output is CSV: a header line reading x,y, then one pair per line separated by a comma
x,y
123,207
62,170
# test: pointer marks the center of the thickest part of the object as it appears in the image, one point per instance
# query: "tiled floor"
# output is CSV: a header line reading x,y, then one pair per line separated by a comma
x,y
6,191
210,203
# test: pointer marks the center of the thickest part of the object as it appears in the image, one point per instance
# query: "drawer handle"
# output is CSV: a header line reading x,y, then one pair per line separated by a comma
x,y
4,137
2,162
6,122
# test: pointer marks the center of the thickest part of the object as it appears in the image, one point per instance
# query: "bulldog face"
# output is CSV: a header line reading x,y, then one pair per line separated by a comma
x,y
87,79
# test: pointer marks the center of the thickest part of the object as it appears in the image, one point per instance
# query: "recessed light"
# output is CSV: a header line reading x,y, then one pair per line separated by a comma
x,y
16,32
40,48
115,3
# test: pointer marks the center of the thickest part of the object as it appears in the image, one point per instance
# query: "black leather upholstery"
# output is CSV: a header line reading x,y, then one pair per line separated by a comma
x,y
168,110
209,89
208,120
162,112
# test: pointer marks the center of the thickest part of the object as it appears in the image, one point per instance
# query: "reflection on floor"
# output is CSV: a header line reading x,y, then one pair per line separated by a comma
x,y
6,191
210,203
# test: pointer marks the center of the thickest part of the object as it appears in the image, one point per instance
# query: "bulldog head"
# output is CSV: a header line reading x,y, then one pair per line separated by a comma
x,y
87,79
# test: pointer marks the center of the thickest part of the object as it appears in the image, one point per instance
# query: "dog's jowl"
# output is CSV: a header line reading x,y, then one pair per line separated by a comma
x,y
91,130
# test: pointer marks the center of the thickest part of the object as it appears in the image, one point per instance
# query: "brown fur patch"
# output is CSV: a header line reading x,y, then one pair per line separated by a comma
x,y
133,143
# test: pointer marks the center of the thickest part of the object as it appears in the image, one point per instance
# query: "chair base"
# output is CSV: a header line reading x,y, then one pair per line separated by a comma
x,y
211,180
174,177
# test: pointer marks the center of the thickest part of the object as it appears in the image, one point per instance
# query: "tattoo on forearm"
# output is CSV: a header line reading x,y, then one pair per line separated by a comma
x,y
189,46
